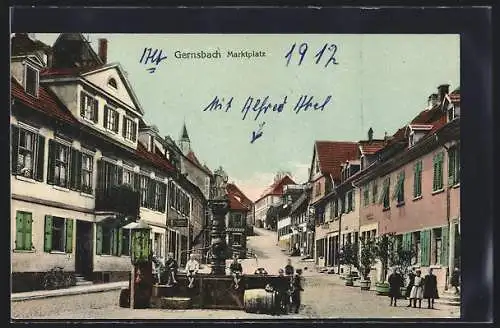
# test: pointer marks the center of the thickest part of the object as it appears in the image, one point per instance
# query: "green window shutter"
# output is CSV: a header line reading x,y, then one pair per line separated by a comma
x,y
451,167
415,180
98,239
114,242
440,170
382,194
444,245
435,173
47,245
419,179
40,158
124,127
69,235
120,239
425,247
19,230
14,135
28,223
353,197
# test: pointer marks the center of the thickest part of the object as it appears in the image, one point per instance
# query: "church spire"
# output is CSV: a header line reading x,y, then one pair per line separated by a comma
x,y
184,142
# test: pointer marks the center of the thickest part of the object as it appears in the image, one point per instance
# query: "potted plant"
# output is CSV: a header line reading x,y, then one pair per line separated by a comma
x,y
382,251
349,257
367,260
403,259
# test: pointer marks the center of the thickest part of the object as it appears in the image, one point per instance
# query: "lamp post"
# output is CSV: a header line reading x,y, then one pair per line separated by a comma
x,y
140,252
219,206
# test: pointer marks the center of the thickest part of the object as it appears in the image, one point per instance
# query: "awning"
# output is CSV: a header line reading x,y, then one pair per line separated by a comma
x,y
137,225
113,220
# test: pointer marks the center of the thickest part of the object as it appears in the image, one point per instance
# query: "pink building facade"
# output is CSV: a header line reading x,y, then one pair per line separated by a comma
x,y
413,191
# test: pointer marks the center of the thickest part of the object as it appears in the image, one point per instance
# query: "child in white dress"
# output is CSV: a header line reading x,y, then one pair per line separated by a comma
x,y
417,291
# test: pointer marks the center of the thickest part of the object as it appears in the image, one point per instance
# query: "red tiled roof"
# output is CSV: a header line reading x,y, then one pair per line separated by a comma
x,y
154,158
235,204
331,154
46,102
370,147
58,72
192,157
276,189
234,190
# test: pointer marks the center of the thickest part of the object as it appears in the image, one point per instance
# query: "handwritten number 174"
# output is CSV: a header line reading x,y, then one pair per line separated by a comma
x,y
328,50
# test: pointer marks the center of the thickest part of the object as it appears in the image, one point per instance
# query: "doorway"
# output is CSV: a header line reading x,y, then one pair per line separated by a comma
x,y
83,256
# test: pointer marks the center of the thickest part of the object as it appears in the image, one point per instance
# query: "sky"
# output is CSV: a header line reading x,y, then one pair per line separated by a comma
x,y
360,81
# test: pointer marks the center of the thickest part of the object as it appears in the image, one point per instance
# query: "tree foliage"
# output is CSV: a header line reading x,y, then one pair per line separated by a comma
x,y
367,256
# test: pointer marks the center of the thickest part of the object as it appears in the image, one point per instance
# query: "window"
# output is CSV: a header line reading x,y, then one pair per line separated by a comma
x,y
318,189
111,118
87,173
27,153
88,107
144,190
454,166
417,179
416,246
237,239
207,186
349,201
125,242
437,246
384,196
59,158
129,129
23,231
112,83
336,207
438,172
236,220
316,170
112,241
157,244
366,195
58,234
128,177
399,190
31,81
374,191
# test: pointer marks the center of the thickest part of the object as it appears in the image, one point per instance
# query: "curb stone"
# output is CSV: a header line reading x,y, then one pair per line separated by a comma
x,y
17,297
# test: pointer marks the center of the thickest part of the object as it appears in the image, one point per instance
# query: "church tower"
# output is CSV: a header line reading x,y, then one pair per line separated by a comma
x,y
184,142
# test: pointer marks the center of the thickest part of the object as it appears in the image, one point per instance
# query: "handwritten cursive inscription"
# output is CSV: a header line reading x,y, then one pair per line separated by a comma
x,y
261,106
257,134
153,57
219,104
306,102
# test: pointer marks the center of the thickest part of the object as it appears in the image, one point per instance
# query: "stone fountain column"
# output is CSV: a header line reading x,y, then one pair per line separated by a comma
x,y
219,209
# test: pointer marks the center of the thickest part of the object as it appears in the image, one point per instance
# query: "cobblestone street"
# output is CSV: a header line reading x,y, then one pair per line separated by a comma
x,y
325,296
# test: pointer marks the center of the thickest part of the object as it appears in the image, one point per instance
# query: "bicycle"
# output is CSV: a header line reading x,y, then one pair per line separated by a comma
x,y
54,278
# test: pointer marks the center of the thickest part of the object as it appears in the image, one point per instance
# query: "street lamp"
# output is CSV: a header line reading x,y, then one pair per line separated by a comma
x,y
219,206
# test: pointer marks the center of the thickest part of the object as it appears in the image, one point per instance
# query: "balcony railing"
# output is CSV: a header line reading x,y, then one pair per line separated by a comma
x,y
121,199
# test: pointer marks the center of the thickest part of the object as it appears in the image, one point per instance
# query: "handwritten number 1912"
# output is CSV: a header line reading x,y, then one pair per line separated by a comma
x,y
330,49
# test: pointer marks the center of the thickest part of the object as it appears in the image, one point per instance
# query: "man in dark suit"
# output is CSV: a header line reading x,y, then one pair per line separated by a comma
x,y
296,290
430,289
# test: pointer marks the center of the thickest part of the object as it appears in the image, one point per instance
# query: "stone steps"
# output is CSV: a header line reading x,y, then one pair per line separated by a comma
x,y
81,281
174,303
449,298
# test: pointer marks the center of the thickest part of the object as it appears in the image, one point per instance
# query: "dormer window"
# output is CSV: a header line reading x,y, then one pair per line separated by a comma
x,y
88,107
111,119
31,80
451,113
411,140
112,83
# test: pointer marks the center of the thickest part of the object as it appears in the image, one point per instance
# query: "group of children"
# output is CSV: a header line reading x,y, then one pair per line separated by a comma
x,y
417,289
288,290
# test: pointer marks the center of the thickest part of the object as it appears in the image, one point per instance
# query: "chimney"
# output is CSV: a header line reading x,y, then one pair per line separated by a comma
x,y
103,50
442,91
433,100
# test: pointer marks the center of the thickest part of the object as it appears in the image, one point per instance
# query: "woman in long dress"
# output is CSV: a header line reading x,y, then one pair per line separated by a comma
x,y
417,291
